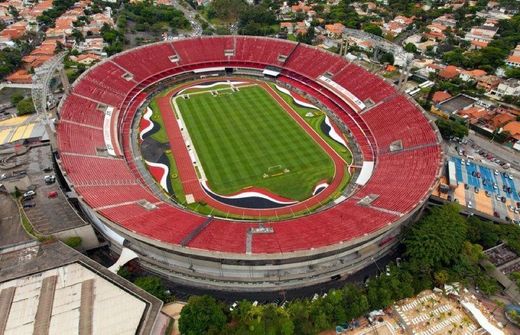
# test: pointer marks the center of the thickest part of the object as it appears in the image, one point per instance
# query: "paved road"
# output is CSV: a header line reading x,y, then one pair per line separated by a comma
x,y
501,152
190,14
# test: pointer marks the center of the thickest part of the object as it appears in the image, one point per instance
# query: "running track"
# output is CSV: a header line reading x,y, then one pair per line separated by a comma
x,y
188,175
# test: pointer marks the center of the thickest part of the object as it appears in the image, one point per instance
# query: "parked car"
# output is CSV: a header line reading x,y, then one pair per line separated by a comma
x,y
49,179
29,194
52,194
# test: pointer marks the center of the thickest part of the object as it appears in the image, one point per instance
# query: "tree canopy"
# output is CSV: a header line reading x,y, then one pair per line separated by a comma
x,y
152,285
438,239
202,315
25,106
450,128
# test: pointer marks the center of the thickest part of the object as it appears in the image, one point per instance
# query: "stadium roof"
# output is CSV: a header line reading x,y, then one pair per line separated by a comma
x,y
52,289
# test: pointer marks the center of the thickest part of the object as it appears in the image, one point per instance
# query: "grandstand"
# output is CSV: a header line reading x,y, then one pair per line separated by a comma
x,y
97,154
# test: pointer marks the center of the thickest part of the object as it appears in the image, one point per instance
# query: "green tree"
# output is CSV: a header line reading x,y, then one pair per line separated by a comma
x,y
438,238
16,98
152,285
299,310
449,128
373,29
202,315
227,10
410,47
25,106
513,73
441,277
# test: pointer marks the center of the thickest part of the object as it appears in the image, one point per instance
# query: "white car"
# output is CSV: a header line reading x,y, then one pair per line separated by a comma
x,y
470,204
29,194
496,172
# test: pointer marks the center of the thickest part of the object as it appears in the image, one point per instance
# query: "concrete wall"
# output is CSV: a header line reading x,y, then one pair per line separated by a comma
x,y
89,239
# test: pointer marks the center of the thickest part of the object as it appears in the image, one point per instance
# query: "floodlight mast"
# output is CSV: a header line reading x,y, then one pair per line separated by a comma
x,y
41,92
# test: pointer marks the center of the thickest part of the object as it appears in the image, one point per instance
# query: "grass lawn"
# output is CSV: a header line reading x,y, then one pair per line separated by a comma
x,y
240,136
160,136
178,190
315,122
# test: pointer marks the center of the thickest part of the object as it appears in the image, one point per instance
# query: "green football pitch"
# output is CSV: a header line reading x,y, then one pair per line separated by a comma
x,y
245,139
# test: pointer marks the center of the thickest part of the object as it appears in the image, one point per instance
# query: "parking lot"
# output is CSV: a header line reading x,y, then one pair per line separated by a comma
x,y
11,231
491,191
48,210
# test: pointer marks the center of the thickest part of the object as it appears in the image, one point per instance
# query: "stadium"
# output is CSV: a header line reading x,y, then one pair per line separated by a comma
x,y
245,163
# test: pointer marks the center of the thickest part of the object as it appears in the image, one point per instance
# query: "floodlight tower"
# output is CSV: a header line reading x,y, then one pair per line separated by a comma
x,y
42,94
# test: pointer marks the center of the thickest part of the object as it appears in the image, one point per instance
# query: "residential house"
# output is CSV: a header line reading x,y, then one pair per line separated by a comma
x,y
513,128
501,119
93,45
449,72
334,30
488,82
481,33
289,26
397,25
446,20
13,32
510,86
474,114
40,55
514,59
440,96
20,77
436,31
86,59
472,75
300,7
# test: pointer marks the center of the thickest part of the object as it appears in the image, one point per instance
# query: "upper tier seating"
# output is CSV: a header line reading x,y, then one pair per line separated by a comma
x,y
208,50
312,62
91,170
402,179
261,50
105,83
81,110
98,196
363,84
147,61
165,223
79,139
399,119
321,229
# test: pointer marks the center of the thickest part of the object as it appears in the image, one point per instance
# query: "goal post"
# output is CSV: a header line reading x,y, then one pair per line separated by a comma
x,y
275,170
